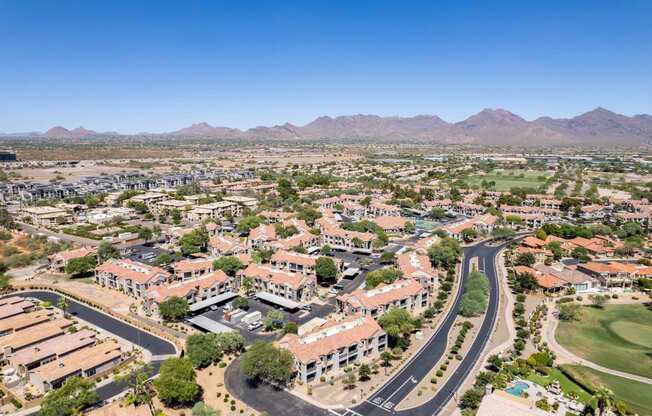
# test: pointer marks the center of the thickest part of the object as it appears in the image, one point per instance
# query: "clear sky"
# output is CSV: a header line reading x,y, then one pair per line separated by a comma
x,y
158,66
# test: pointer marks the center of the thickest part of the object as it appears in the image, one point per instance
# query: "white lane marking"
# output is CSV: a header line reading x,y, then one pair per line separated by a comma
x,y
410,379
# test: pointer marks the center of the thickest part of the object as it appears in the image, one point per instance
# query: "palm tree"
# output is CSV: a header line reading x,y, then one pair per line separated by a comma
x,y
603,400
137,382
63,304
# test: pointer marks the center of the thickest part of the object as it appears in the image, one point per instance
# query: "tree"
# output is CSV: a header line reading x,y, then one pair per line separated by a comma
x,y
273,320
194,242
364,372
569,311
63,304
162,259
173,308
437,213
247,223
176,384
469,234
241,303
202,409
291,328
471,398
229,265
503,233
410,228
397,323
526,281
75,395
107,251
357,242
262,255
598,301
140,391
525,259
349,381
202,350
476,292
386,358
265,362
6,220
326,250
445,254
602,400
581,254
557,250
387,257
384,275
326,271
145,234
176,216
81,265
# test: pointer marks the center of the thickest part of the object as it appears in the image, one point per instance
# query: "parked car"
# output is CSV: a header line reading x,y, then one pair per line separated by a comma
x,y
254,325
306,307
213,307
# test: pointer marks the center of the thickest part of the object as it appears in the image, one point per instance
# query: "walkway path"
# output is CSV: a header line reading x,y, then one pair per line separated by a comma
x,y
565,356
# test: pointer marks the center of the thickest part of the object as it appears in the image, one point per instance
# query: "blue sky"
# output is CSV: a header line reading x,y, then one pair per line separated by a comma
x,y
158,66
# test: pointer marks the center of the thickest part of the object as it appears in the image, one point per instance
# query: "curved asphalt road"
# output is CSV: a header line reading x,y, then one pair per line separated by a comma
x,y
155,345
275,402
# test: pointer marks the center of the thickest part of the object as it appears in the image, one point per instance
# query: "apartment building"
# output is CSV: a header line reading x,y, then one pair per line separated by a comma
x,y
482,224
226,246
295,287
86,362
391,224
241,203
298,263
192,269
45,216
261,236
380,209
212,211
131,277
418,267
352,241
406,294
332,346
215,286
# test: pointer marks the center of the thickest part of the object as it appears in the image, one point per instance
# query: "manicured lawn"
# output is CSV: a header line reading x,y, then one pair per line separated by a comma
x,y
617,337
568,386
637,396
505,180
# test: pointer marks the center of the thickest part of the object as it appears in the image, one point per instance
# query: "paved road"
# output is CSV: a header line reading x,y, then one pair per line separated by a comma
x,y
420,366
30,229
399,386
156,346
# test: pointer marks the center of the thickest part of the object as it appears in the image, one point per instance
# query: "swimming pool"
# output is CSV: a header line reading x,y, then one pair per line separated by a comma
x,y
517,389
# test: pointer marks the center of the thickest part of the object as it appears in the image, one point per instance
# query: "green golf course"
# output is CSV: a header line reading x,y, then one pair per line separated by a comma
x,y
617,337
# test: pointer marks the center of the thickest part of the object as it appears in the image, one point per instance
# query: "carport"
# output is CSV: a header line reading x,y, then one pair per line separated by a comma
x,y
350,273
211,301
277,300
209,324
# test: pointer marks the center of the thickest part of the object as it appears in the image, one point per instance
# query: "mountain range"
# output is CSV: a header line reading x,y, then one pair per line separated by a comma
x,y
489,126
